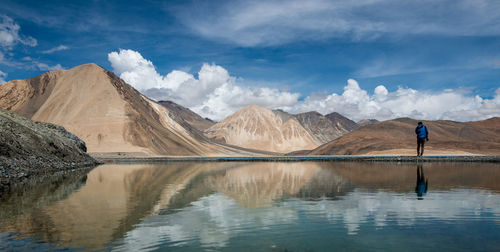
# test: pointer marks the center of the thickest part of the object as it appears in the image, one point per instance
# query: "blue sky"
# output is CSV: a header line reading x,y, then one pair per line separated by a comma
x,y
300,49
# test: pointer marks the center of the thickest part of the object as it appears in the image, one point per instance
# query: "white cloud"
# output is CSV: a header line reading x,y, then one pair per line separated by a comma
x,y
357,104
216,94
10,37
2,77
9,34
55,49
31,63
45,67
256,23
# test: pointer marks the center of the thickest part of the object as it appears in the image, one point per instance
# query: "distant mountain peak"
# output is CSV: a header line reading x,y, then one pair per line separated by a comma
x,y
260,128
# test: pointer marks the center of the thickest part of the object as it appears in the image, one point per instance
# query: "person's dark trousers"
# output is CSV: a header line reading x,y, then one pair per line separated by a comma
x,y
420,146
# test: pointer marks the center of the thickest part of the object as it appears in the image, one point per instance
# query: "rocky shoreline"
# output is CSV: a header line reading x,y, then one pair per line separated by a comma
x,y
32,151
490,159
32,170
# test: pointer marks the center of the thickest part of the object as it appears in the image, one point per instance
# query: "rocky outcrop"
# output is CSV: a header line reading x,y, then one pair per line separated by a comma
x,y
31,150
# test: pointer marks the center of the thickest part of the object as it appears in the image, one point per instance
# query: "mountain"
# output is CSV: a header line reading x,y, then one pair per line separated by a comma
x,y
366,122
104,111
183,114
260,128
325,128
31,149
398,137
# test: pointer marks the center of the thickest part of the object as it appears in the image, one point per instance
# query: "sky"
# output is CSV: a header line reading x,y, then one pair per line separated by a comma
x,y
365,59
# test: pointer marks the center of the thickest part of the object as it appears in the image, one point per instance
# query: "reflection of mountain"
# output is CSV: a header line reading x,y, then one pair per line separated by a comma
x,y
28,197
216,220
114,198
209,203
259,184
401,177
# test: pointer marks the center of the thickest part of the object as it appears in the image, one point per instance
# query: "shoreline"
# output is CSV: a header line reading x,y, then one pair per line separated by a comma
x,y
489,159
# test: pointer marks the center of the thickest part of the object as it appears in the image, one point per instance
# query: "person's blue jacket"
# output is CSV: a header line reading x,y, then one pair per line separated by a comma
x,y
421,131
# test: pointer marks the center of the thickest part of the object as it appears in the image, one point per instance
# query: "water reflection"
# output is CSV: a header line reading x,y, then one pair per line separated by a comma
x,y
133,207
113,199
258,185
422,182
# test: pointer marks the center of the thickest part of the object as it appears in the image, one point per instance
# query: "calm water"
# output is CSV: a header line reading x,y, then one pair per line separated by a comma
x,y
304,206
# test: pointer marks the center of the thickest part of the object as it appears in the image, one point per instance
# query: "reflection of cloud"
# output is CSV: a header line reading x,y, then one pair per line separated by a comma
x,y
383,207
212,221
215,219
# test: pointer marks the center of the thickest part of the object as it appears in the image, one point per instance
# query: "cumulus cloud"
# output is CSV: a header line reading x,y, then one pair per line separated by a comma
x,y
358,104
10,36
257,23
214,93
55,49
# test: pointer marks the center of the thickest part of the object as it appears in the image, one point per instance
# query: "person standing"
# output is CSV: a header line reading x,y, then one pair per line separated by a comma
x,y
422,136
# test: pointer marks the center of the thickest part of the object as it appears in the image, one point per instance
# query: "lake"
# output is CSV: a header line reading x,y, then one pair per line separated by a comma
x,y
259,206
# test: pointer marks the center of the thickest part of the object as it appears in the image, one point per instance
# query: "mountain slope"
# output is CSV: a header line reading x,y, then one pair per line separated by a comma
x,y
260,128
325,128
104,111
180,113
481,137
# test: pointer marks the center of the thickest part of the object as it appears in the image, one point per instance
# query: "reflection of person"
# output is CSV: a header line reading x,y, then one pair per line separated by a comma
x,y
422,183
422,136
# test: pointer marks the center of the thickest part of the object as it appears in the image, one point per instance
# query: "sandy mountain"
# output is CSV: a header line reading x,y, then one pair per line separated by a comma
x,y
365,122
105,112
260,128
183,114
326,128
398,136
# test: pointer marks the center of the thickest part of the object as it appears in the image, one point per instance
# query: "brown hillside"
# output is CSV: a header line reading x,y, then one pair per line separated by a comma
x,y
482,137
180,113
325,128
104,111
260,128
